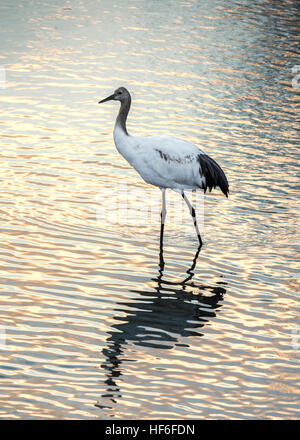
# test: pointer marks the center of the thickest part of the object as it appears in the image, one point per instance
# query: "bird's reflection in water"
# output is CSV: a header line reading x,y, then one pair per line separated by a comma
x,y
158,319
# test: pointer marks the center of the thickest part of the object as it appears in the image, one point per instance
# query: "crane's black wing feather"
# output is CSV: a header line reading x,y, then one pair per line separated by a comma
x,y
213,173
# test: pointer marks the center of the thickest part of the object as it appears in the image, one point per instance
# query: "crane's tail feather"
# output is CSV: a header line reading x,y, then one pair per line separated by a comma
x,y
213,173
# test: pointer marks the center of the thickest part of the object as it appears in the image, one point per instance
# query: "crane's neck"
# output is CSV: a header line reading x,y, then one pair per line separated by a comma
x,y
122,116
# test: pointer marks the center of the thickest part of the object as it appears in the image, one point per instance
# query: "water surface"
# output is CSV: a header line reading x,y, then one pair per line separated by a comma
x,y
94,327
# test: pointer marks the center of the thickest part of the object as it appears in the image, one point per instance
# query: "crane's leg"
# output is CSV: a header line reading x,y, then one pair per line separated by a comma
x,y
193,214
163,215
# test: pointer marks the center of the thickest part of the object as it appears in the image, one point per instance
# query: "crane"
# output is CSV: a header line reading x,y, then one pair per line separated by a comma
x,y
166,161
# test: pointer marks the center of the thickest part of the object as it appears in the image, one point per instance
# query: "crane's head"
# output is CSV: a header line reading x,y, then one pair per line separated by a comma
x,y
121,94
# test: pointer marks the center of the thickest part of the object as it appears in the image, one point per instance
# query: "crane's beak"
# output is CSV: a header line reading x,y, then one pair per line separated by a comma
x,y
109,98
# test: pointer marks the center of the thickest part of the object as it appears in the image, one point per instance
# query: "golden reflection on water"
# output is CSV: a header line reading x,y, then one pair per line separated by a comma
x,y
95,328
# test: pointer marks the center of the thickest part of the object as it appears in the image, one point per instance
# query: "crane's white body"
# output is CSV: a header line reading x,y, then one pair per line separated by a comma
x,y
161,160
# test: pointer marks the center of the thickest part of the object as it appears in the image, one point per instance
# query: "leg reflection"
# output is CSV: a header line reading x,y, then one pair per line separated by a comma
x,y
162,318
190,271
161,250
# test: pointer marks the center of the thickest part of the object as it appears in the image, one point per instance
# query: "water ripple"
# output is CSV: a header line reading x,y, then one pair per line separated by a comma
x,y
95,325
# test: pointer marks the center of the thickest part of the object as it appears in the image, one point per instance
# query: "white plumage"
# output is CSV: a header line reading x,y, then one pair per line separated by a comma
x,y
165,161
